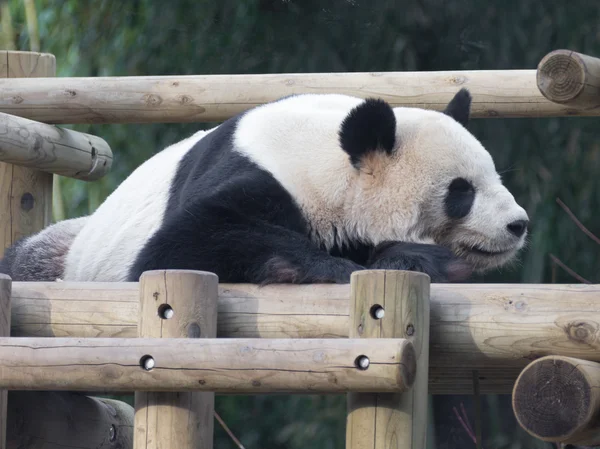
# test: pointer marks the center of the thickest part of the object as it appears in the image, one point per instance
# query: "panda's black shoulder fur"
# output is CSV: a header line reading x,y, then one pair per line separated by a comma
x,y
219,201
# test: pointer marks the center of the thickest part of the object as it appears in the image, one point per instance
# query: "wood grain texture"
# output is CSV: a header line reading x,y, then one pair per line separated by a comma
x,y
51,149
570,79
222,365
206,98
5,295
557,399
177,418
53,420
399,420
25,193
496,328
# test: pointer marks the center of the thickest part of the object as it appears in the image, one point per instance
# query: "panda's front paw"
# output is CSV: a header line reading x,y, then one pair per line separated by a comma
x,y
439,262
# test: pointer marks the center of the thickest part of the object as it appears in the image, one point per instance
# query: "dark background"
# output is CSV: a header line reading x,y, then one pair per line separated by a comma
x,y
541,159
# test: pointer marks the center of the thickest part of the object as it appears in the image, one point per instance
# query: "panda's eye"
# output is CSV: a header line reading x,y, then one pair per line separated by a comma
x,y
460,185
459,199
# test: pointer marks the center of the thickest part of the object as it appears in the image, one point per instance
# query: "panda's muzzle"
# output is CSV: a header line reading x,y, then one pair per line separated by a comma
x,y
482,252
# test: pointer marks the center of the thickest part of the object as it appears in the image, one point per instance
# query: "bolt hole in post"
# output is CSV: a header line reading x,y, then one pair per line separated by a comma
x,y
165,311
147,362
377,312
362,362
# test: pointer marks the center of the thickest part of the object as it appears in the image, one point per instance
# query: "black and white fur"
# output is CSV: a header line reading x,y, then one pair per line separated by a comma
x,y
305,189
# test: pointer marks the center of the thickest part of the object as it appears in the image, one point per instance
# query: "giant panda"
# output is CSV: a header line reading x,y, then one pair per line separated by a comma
x,y
306,189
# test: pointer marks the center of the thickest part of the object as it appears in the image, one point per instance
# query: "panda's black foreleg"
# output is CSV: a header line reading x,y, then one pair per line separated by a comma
x,y
240,249
439,262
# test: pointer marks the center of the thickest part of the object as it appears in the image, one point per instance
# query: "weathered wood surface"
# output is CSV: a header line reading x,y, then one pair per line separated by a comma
x,y
177,304
390,304
571,79
58,419
5,294
557,399
207,98
25,193
195,364
54,150
495,328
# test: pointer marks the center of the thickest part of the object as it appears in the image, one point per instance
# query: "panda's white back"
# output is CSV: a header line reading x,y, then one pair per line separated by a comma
x,y
114,234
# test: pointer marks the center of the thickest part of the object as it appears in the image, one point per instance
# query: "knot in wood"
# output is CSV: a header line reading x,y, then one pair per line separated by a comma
x,y
458,80
27,202
185,99
152,100
581,331
193,330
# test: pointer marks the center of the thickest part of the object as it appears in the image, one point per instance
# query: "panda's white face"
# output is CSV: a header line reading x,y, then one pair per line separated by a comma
x,y
440,186
459,196
413,175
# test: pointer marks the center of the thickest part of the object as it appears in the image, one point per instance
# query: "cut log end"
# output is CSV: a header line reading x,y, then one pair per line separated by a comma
x,y
570,78
561,77
553,399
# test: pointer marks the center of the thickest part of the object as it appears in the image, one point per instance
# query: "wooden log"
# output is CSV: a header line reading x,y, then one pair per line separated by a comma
x,y
238,366
571,79
175,304
208,98
51,420
5,295
390,304
494,328
54,150
25,193
557,399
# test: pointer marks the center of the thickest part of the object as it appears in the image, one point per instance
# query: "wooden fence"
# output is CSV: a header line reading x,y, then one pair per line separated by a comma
x,y
178,337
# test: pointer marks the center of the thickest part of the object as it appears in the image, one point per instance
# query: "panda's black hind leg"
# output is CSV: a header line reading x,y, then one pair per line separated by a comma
x,y
440,263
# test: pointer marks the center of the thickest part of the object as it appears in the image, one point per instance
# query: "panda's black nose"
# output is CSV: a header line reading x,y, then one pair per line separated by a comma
x,y
518,227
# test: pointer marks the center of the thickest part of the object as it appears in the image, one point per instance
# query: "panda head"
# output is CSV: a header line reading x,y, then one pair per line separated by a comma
x,y
422,177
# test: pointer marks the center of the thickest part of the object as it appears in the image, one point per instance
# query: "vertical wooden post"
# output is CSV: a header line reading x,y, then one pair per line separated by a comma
x,y
25,193
5,292
390,304
176,304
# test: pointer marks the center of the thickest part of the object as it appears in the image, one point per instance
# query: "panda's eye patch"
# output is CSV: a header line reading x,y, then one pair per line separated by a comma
x,y
461,185
459,198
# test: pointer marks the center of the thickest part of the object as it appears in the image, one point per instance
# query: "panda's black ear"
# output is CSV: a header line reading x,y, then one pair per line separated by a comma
x,y
370,126
459,107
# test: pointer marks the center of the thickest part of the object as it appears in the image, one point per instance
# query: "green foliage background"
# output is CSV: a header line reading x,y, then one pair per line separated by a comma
x,y
541,159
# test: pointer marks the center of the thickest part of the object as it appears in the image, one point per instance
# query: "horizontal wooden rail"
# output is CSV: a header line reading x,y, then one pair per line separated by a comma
x,y
210,364
208,98
494,329
48,148
557,399
570,78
